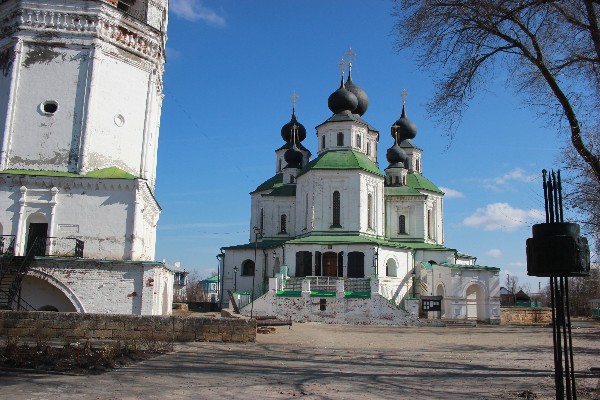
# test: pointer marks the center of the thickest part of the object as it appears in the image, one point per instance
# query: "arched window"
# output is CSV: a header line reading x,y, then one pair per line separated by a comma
x,y
402,224
370,211
248,268
418,165
336,209
283,223
262,219
358,141
429,224
340,139
323,142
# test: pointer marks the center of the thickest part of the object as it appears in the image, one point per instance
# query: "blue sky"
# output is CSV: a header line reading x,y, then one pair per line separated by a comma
x,y
231,69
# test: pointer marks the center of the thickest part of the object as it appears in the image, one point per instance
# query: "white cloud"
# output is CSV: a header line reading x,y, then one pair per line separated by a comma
x,y
451,193
194,10
503,217
496,253
499,183
517,264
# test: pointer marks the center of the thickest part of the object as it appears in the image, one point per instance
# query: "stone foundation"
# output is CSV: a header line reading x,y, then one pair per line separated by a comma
x,y
77,326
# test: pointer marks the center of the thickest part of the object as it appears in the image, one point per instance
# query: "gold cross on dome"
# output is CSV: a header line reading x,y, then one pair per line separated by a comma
x,y
342,66
294,98
404,95
350,54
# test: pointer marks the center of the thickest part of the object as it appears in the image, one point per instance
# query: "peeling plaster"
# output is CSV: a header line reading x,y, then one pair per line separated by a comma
x,y
40,54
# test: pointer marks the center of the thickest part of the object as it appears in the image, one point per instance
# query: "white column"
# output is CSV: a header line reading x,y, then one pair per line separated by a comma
x,y
85,121
137,224
19,235
10,109
51,224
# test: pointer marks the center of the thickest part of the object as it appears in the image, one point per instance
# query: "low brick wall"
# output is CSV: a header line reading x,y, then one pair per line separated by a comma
x,y
525,315
76,326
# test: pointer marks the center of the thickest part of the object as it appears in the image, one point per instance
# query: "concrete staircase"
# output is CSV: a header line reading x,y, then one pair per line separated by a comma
x,y
12,271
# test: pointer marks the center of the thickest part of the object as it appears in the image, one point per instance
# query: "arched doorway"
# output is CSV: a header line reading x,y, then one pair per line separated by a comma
x,y
330,264
37,233
356,264
391,268
475,299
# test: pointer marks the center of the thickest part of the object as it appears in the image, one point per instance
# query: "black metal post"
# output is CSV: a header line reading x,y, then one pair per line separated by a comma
x,y
235,271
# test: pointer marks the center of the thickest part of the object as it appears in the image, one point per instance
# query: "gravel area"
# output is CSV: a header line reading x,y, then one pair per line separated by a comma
x,y
315,361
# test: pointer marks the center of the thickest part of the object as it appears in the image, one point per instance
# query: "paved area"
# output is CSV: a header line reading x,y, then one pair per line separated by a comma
x,y
314,361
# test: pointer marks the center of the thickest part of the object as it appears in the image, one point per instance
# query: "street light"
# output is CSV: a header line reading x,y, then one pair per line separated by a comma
x,y
257,232
235,271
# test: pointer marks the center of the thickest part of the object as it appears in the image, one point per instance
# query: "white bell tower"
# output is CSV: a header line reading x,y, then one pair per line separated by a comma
x,y
80,104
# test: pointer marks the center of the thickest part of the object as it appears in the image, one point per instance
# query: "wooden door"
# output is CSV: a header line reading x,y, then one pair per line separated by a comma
x,y
330,264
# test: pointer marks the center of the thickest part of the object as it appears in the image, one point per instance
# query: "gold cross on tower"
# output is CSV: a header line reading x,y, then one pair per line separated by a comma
x,y
342,66
350,54
294,98
404,95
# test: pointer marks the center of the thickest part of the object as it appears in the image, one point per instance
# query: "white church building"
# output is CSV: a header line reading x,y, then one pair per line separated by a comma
x,y
80,104
335,239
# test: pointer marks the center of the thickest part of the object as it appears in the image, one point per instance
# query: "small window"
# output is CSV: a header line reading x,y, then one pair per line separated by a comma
x,y
429,224
49,107
358,141
402,224
418,165
340,139
248,268
283,223
323,142
368,148
279,166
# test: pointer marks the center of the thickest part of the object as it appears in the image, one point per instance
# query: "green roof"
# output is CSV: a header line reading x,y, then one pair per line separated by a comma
x,y
263,244
401,191
212,279
270,183
418,181
105,173
349,238
342,160
283,190
460,267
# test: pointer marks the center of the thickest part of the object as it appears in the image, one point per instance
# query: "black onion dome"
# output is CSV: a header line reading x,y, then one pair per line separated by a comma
x,y
342,100
286,130
396,156
405,127
293,157
361,96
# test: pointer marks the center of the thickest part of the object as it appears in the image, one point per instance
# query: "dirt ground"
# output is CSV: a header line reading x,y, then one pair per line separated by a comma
x,y
315,361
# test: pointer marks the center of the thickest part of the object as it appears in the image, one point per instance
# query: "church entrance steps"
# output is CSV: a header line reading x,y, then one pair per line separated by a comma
x,y
460,323
363,309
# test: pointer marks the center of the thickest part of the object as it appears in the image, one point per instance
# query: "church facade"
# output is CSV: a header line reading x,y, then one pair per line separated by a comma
x,y
336,239
80,104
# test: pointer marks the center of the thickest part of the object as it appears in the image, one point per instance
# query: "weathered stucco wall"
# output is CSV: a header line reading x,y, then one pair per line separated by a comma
x,y
74,326
374,311
525,315
96,286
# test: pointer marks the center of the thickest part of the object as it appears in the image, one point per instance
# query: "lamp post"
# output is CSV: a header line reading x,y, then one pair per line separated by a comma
x,y
257,231
414,289
235,271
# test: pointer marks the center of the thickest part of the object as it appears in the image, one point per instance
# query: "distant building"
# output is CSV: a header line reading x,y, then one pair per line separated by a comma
x,y
210,289
353,239
80,103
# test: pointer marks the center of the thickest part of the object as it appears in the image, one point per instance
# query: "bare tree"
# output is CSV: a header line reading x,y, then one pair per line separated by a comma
x,y
583,194
550,50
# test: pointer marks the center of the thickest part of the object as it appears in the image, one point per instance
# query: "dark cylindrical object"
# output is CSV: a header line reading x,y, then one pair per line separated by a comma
x,y
557,250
